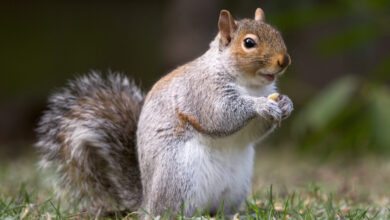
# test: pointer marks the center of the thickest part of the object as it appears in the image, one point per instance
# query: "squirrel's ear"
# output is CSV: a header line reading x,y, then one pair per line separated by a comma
x,y
259,15
226,26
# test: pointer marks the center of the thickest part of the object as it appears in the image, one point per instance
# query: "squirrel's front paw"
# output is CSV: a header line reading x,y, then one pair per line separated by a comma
x,y
286,105
269,110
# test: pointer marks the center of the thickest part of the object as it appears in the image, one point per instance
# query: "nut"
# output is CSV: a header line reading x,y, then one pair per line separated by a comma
x,y
274,96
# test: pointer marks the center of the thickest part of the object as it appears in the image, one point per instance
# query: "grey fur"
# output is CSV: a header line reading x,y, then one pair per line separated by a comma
x,y
196,129
206,90
88,134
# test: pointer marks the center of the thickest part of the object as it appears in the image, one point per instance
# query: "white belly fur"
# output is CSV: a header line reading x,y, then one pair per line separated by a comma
x,y
223,167
222,174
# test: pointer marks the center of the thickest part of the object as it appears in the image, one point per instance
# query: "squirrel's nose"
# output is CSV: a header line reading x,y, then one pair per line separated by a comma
x,y
284,60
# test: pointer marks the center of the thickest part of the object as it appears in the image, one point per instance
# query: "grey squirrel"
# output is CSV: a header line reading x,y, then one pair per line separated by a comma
x,y
188,145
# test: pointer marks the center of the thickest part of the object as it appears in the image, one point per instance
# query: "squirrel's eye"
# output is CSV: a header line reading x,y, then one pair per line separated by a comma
x,y
249,42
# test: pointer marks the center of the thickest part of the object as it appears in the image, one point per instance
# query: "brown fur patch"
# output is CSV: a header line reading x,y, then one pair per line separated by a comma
x,y
70,165
184,119
65,150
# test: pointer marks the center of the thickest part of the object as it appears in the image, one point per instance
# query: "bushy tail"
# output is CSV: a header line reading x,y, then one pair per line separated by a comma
x,y
88,136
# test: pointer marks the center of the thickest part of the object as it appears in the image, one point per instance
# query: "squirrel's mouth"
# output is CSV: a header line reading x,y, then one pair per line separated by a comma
x,y
269,77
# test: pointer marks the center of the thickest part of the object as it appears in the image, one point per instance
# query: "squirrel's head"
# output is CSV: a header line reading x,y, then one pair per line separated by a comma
x,y
257,50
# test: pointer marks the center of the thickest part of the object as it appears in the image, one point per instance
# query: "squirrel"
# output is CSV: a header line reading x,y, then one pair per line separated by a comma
x,y
188,145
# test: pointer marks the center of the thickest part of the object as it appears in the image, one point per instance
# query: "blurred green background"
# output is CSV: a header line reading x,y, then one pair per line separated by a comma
x,y
338,80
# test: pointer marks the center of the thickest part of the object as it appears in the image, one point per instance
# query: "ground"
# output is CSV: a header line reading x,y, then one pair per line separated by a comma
x,y
285,186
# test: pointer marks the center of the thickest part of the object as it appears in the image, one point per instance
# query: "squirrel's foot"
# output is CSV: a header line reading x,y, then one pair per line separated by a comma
x,y
269,110
286,105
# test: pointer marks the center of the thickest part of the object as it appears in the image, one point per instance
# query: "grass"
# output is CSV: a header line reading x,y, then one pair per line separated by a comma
x,y
286,186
